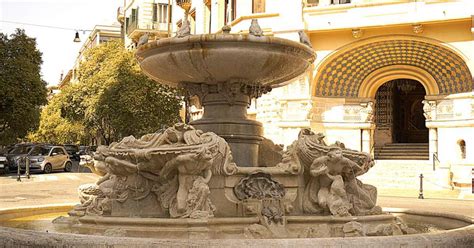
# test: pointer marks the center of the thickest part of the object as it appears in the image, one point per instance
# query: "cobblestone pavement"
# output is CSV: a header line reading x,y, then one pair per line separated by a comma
x,y
61,188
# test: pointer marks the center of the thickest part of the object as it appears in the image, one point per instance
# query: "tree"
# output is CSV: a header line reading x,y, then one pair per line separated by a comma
x,y
115,99
55,129
22,91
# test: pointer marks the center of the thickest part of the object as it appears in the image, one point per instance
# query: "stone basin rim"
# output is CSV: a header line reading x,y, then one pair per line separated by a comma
x,y
220,38
220,41
15,236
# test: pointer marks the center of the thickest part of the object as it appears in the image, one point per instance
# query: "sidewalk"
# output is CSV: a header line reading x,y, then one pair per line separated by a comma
x,y
455,194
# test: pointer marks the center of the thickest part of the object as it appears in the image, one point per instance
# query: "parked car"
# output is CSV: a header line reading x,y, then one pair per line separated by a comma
x,y
15,155
49,158
73,151
85,150
4,168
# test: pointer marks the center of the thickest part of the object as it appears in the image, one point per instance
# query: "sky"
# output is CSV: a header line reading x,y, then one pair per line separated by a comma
x,y
59,50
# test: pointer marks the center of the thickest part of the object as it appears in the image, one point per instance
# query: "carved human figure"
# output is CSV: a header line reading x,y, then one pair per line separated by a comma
x,y
193,172
162,174
427,109
367,112
329,169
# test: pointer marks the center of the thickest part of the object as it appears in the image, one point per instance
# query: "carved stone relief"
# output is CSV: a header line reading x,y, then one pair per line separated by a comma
x,y
160,174
429,110
330,172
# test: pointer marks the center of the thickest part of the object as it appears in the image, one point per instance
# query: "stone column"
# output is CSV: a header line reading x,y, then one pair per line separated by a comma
x,y
433,142
225,114
366,140
367,115
429,111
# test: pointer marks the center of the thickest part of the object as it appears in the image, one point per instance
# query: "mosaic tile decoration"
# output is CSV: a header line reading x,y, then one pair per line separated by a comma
x,y
343,76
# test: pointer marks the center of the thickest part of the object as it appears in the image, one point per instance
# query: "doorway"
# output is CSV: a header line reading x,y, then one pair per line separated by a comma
x,y
399,113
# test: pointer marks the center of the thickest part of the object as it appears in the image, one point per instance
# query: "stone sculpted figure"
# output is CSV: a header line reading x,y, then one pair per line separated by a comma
x,y
184,30
329,173
427,107
193,172
159,175
367,112
255,29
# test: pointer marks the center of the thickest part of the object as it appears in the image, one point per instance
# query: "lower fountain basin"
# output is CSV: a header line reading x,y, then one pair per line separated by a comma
x,y
34,227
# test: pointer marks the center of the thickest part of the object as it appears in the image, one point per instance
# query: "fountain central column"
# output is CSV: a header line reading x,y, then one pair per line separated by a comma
x,y
225,114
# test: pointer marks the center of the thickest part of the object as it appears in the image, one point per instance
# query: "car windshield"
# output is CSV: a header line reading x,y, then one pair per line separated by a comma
x,y
39,151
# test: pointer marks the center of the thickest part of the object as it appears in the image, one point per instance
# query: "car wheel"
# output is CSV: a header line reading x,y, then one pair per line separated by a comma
x,y
47,169
68,167
6,169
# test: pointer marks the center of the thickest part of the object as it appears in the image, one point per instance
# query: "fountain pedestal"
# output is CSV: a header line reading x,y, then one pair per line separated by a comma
x,y
225,114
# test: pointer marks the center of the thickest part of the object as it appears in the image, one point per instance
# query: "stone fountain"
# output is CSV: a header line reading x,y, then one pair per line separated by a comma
x,y
218,177
211,170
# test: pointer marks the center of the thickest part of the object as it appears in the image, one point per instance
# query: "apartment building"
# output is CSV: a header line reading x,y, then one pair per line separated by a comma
x,y
98,35
145,16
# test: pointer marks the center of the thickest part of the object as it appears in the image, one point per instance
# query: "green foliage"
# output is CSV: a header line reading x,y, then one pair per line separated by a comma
x,y
22,91
114,99
54,129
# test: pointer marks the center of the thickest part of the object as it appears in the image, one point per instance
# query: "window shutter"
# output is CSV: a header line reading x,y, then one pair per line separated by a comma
x,y
155,12
258,6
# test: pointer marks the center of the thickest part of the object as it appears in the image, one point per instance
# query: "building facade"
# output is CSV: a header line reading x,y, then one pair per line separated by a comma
x,y
387,73
145,16
98,35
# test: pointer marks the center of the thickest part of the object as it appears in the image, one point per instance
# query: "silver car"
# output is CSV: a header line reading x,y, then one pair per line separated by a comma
x,y
49,158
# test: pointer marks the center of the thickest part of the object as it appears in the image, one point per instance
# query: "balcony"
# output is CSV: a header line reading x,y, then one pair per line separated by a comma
x,y
136,30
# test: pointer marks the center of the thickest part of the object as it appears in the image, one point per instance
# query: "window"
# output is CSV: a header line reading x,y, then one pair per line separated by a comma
x,y
127,22
155,12
229,8
258,6
160,13
134,15
38,151
59,151
462,149
312,2
340,1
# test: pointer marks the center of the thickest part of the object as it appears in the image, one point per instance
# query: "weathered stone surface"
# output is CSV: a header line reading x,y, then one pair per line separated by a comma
x,y
353,229
385,230
159,175
9,237
330,172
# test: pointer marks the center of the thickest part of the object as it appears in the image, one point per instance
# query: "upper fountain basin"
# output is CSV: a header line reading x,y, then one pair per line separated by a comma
x,y
217,58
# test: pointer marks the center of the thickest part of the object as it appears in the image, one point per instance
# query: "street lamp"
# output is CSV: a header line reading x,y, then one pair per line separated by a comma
x,y
76,38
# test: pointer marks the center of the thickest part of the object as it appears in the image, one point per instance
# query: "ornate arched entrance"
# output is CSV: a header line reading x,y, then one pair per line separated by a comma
x,y
399,113
349,71
353,74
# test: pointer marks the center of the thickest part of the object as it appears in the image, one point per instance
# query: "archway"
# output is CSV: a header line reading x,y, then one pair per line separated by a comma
x,y
357,68
399,113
